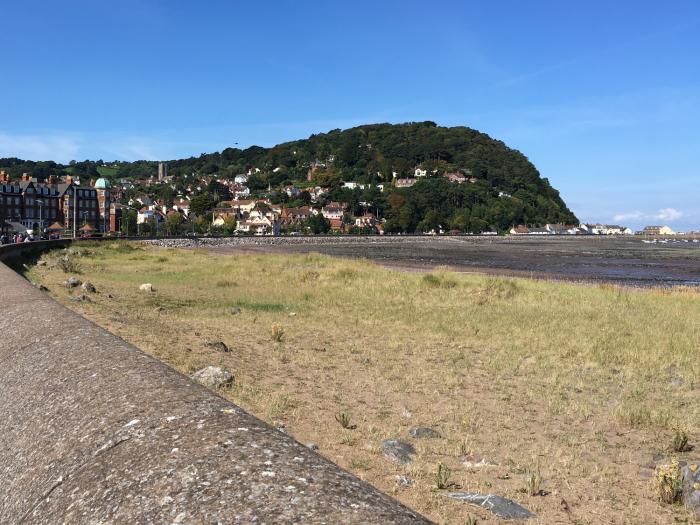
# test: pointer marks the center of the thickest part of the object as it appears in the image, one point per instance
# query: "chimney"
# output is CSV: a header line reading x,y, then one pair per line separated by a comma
x,y
26,177
4,177
52,181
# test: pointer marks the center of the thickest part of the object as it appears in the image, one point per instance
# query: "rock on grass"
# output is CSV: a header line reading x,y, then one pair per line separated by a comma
x,y
219,346
423,433
72,282
498,505
213,377
397,451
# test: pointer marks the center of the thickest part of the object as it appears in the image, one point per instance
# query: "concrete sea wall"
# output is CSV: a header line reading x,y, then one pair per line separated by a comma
x,y
95,431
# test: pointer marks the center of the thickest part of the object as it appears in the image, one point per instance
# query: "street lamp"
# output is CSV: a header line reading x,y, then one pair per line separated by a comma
x,y
40,202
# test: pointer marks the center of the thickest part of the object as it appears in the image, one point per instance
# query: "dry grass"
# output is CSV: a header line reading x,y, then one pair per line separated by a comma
x,y
582,381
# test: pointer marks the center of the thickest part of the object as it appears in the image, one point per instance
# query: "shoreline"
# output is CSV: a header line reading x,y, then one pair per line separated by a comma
x,y
622,263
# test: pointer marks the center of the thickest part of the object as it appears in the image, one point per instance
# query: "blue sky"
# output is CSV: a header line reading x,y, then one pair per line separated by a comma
x,y
603,97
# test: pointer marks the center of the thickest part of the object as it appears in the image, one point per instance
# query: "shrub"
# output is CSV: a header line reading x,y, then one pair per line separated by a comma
x,y
68,264
668,482
431,280
438,281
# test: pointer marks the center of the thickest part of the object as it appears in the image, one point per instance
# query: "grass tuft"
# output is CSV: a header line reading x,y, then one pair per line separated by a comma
x,y
680,441
442,476
534,482
277,334
344,419
439,280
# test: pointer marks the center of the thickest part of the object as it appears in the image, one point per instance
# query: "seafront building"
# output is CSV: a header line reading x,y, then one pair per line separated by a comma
x,y
28,204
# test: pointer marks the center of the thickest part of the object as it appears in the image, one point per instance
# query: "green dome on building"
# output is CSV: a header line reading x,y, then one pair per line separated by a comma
x,y
102,184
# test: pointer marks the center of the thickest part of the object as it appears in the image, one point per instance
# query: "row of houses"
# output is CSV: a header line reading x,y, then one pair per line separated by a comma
x,y
589,229
454,177
261,217
568,229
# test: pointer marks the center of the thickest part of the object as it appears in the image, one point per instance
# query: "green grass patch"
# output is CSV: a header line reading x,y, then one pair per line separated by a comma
x,y
256,306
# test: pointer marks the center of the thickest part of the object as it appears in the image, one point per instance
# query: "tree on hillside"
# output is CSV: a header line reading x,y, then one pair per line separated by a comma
x,y
202,203
173,224
504,187
318,224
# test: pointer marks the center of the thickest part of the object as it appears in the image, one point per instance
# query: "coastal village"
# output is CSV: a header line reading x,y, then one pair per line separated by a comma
x,y
67,206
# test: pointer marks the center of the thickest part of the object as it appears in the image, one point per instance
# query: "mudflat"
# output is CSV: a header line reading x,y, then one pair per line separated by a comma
x,y
619,260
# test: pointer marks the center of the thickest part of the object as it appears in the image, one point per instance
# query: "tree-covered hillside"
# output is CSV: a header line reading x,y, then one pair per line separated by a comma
x,y
504,189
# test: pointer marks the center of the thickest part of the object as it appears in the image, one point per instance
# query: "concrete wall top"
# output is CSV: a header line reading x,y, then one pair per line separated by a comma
x,y
95,431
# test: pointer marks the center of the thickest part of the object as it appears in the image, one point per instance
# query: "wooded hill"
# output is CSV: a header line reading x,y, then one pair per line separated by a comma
x,y
506,190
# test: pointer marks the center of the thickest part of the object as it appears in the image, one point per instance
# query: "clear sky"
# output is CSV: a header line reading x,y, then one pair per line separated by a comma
x,y
603,97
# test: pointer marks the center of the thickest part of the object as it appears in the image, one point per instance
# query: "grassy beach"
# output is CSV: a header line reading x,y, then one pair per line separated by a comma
x,y
572,388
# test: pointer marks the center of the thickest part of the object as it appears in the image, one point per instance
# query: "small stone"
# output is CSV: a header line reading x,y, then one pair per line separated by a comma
x,y
423,433
109,296
81,299
41,263
72,282
234,311
397,451
292,314
147,287
403,481
312,446
40,287
89,287
407,413
498,505
220,346
475,461
158,309
213,377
